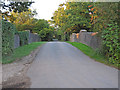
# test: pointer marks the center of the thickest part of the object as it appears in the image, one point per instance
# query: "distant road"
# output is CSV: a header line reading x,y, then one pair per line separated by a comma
x,y
60,65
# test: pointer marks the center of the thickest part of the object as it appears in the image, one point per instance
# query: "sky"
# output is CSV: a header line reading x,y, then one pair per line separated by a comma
x,y
46,8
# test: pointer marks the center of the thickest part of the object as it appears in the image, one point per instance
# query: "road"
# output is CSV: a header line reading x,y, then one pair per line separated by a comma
x,y
60,65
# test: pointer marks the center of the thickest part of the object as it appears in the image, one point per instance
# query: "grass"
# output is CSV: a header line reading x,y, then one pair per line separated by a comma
x,y
92,53
21,52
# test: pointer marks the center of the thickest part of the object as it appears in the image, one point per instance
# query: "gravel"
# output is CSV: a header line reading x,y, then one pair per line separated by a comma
x,y
14,74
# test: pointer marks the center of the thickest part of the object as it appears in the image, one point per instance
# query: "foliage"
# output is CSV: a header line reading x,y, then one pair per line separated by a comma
x,y
21,52
24,20
106,13
8,31
46,34
22,27
12,6
16,6
23,17
60,35
106,25
79,17
40,25
111,43
58,17
32,24
74,17
24,36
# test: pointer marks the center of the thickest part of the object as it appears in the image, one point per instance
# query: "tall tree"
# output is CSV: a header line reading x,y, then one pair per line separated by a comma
x,y
40,25
107,12
16,6
72,18
12,6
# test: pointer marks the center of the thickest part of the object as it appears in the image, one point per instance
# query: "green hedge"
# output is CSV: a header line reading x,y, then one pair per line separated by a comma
x,y
111,43
24,37
8,31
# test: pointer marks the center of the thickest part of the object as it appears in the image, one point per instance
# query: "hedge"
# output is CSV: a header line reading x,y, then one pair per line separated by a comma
x,y
24,37
111,43
8,31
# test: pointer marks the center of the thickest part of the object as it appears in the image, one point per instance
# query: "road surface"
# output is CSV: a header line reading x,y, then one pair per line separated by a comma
x,y
60,65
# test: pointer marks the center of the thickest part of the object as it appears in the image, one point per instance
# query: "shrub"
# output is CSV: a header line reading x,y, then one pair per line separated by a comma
x,y
111,43
24,37
46,34
8,31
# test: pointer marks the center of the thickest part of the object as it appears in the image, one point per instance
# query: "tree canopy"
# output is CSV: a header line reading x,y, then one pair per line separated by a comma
x,y
73,17
16,6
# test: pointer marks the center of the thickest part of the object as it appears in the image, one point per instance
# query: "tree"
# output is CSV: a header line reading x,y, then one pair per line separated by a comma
x,y
40,25
23,17
107,12
13,6
47,34
23,20
79,16
74,17
16,6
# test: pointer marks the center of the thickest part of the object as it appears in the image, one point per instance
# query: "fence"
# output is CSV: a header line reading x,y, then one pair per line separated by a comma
x,y
86,38
32,38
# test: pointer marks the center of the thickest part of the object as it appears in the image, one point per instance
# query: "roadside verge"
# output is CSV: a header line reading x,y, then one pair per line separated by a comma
x,y
14,74
92,53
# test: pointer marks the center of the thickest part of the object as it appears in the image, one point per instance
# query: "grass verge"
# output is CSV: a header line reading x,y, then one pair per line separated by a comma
x,y
21,52
92,53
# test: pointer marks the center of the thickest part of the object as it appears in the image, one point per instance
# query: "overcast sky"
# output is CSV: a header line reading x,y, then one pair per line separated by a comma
x,y
46,8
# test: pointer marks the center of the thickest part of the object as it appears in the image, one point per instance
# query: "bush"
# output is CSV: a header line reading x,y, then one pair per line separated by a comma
x,y
8,31
46,34
24,37
111,43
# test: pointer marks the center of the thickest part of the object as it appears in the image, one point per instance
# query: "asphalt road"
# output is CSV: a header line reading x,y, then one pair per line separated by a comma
x,y
60,65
